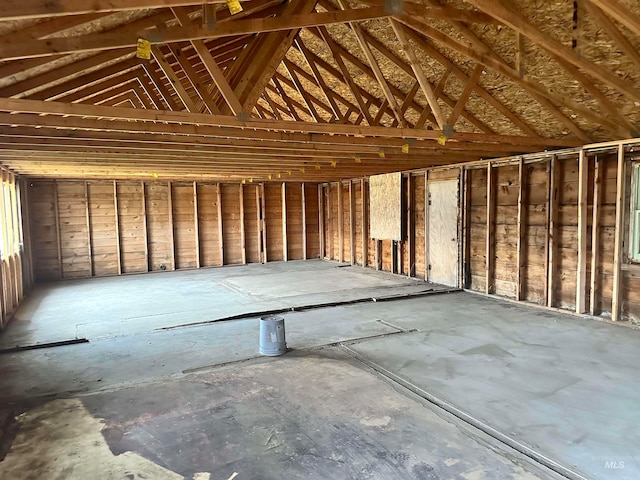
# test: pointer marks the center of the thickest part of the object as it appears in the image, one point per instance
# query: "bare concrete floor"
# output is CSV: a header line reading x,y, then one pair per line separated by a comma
x,y
445,385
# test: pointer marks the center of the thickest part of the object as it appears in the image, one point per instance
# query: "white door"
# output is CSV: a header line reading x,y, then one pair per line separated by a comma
x,y
442,211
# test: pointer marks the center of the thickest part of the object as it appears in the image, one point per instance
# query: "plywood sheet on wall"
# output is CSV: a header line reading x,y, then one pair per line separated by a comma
x,y
443,232
385,203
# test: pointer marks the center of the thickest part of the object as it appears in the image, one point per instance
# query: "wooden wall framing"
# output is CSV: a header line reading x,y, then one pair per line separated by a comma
x,y
102,228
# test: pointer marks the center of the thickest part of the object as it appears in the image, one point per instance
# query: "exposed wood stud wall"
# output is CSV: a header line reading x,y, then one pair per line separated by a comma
x,y
490,232
100,228
618,242
581,277
285,246
553,230
520,229
595,235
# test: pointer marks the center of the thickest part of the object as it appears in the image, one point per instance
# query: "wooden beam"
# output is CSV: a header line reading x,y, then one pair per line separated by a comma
x,y
109,41
194,79
466,93
352,226
321,220
612,31
117,225
340,224
581,274
491,233
211,65
16,10
285,242
373,63
364,109
163,91
488,58
243,239
620,13
196,224
465,281
220,226
304,222
411,226
145,230
427,203
171,75
204,120
418,72
264,224
520,227
258,223
520,24
319,79
300,89
88,224
365,222
172,240
620,233
552,236
595,236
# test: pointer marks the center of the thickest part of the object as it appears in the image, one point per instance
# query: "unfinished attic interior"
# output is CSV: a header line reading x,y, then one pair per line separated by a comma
x,y
437,200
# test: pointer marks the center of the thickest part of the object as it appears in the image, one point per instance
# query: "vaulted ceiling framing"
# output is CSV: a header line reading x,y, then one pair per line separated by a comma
x,y
308,89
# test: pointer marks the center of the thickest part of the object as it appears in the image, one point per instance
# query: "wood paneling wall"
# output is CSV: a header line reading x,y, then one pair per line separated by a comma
x,y
16,274
527,229
100,228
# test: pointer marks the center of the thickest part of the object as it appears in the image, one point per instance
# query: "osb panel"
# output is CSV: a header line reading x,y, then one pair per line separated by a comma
x,y
385,204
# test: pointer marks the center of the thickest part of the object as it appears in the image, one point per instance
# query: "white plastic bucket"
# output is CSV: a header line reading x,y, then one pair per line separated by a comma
x,y
272,337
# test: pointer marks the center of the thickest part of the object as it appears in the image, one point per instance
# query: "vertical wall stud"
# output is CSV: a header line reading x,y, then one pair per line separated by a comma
x,y
259,222
145,231
172,241
411,227
595,235
427,201
117,215
618,253
88,220
243,239
465,280
264,224
285,242
196,223
330,224
553,230
57,218
352,226
304,222
220,226
365,223
491,234
581,280
520,226
340,224
321,219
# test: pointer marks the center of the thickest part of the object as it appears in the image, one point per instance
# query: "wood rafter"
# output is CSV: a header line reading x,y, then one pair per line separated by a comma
x,y
108,41
520,24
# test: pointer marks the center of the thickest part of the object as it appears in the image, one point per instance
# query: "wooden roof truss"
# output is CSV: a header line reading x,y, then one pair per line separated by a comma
x,y
310,89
